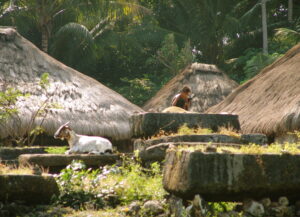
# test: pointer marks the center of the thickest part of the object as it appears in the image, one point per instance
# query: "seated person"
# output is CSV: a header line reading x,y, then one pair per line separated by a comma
x,y
183,99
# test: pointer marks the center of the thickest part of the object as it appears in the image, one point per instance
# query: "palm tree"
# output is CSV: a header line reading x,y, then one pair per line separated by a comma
x,y
264,26
290,10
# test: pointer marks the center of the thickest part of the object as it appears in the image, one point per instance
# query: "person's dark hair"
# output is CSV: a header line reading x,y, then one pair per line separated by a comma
x,y
186,89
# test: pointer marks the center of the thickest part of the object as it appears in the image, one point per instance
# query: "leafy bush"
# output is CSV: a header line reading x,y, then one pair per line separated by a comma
x,y
78,187
56,150
83,188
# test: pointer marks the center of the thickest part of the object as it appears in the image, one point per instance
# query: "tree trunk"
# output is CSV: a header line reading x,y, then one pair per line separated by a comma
x,y
290,11
45,39
264,26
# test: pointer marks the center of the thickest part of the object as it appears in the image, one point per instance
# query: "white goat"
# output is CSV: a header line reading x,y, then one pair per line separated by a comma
x,y
82,143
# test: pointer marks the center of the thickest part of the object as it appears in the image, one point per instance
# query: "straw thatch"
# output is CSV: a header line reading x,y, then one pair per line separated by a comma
x,y
91,107
209,86
269,103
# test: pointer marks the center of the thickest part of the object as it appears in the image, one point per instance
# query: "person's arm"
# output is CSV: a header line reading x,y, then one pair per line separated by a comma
x,y
175,99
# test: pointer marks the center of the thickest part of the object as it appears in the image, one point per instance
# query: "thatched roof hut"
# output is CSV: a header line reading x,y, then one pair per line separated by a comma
x,y
269,103
209,86
91,107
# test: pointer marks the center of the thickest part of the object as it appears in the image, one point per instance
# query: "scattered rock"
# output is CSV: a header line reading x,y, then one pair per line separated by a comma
x,y
134,208
198,207
266,202
254,208
176,206
283,201
211,149
153,207
228,214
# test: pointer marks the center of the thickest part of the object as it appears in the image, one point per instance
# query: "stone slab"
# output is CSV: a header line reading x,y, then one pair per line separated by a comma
x,y
30,189
9,153
141,144
55,162
158,152
231,177
148,124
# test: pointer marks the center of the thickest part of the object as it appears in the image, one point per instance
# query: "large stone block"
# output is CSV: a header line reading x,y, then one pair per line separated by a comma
x,y
55,162
141,144
8,153
148,124
231,177
30,189
158,152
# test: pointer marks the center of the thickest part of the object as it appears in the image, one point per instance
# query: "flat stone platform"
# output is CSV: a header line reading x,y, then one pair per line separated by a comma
x,y
30,189
155,149
56,162
148,124
231,177
12,153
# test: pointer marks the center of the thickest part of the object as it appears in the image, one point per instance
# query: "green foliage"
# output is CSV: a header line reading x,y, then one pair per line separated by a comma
x,y
137,90
56,150
44,80
185,130
109,186
171,57
219,207
8,99
255,64
136,183
250,64
78,187
9,110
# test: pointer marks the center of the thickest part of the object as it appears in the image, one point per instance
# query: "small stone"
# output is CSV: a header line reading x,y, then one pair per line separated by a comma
x,y
175,206
254,208
134,207
228,214
266,202
211,149
153,207
283,201
36,171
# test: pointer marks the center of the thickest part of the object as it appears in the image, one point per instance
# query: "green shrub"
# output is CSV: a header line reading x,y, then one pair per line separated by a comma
x,y
56,150
83,188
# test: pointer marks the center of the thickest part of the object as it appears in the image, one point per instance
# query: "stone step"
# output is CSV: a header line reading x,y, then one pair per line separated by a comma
x,y
260,139
231,177
149,124
56,162
158,152
27,188
12,153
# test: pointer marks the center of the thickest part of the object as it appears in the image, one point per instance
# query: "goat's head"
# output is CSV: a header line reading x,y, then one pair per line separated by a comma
x,y
63,132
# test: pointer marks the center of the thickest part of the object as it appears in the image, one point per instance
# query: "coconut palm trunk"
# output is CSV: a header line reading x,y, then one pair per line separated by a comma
x,y
290,11
264,26
45,39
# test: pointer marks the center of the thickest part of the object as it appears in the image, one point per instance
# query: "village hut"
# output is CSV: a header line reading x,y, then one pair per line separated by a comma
x,y
91,108
209,86
270,102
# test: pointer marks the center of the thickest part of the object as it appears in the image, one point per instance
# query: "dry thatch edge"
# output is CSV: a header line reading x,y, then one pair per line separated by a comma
x,y
209,84
268,103
91,107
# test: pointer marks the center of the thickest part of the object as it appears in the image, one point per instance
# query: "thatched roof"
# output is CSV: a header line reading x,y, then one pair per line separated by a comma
x,y
91,107
269,103
207,82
